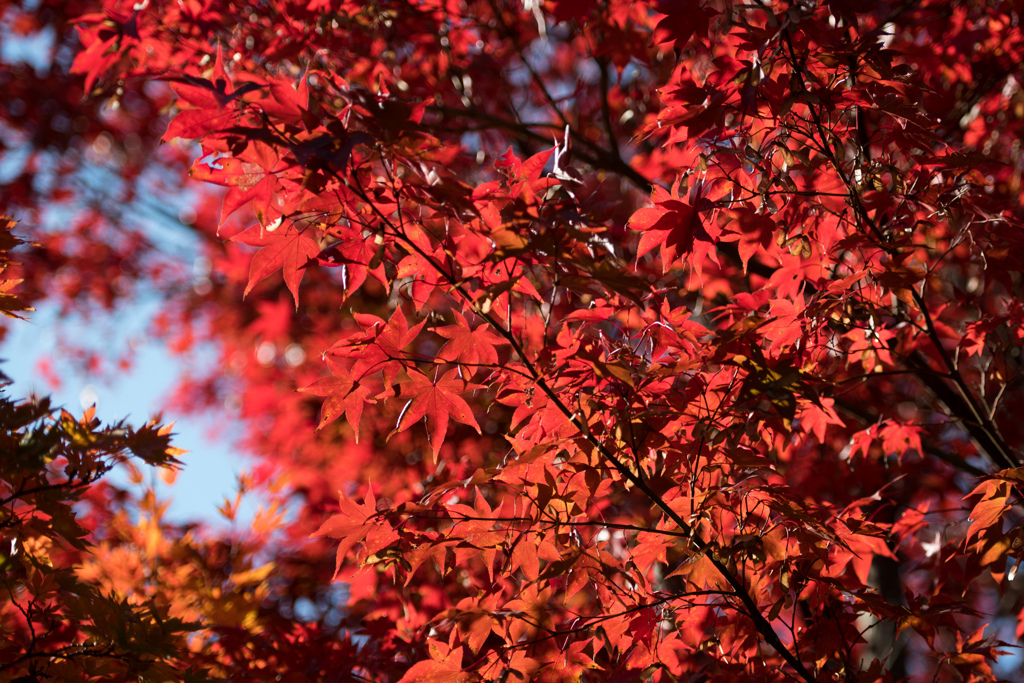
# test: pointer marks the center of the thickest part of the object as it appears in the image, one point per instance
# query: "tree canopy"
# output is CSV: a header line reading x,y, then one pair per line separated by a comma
x,y
672,340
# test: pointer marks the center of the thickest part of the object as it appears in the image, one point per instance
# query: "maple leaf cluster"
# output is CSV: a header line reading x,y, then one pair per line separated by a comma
x,y
663,341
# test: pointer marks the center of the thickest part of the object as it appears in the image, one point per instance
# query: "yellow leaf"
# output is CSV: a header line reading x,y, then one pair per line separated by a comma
x,y
253,576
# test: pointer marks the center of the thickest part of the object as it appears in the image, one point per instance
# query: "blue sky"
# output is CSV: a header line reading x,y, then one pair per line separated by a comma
x,y
211,466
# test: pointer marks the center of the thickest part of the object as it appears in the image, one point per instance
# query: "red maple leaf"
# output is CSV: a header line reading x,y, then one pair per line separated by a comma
x,y
382,349
357,523
474,348
357,257
343,396
444,666
251,176
680,20
436,401
205,106
283,248
676,227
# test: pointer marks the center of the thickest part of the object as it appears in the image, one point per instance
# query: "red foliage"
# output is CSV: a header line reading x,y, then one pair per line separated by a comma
x,y
711,312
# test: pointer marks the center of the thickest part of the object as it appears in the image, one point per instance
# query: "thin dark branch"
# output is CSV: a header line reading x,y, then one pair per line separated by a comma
x,y
762,625
962,401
